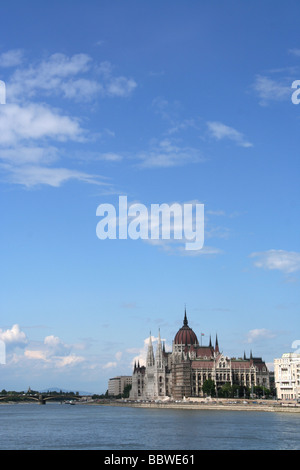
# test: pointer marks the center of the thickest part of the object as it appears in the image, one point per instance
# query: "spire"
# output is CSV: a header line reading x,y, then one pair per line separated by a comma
x,y
185,321
217,345
210,345
158,357
150,354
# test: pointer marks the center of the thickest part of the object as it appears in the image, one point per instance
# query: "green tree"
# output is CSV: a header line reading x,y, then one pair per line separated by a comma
x,y
226,391
209,388
126,391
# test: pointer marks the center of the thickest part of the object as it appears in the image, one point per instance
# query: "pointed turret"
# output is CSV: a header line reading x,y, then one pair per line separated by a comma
x,y
158,357
150,354
185,335
185,321
217,345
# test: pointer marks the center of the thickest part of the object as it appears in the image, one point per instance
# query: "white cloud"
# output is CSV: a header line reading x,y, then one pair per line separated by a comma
x,y
35,355
52,353
141,353
220,131
21,154
110,157
295,52
11,58
56,345
285,261
110,365
60,74
176,247
27,162
13,337
81,89
259,334
118,355
29,129
36,121
52,361
181,126
50,75
269,89
120,86
31,176
69,361
168,154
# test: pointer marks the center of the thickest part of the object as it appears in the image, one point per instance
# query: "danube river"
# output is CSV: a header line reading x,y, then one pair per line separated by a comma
x,y
87,427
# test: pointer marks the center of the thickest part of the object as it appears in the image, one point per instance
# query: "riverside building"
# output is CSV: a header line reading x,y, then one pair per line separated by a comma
x,y
182,372
287,376
116,385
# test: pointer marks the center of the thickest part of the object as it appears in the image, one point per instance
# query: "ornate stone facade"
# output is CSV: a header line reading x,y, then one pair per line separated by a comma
x,y
182,372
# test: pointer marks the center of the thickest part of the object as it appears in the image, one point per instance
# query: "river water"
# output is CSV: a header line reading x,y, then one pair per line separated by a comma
x,y
85,427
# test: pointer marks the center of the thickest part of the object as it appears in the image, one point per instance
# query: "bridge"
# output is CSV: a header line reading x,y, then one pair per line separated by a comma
x,y
41,399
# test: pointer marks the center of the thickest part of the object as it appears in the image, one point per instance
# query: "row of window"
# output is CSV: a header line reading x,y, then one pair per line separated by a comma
x,y
225,376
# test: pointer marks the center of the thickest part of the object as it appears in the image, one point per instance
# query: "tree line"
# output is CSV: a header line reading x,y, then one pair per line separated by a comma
x,y
236,391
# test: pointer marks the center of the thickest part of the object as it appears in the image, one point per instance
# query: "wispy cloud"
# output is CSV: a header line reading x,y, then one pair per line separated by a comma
x,y
25,154
11,58
294,51
285,261
175,247
129,305
31,176
34,133
270,89
60,74
167,153
220,131
259,334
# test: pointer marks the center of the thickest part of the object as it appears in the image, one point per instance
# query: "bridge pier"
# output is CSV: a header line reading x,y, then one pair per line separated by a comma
x,y
41,400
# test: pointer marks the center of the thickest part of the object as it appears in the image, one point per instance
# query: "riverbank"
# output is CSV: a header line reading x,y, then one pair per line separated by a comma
x,y
188,404
209,405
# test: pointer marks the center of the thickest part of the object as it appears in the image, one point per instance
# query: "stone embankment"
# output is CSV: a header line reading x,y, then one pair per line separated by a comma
x,y
223,405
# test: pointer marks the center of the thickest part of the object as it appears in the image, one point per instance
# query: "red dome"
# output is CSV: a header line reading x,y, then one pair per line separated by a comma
x,y
185,335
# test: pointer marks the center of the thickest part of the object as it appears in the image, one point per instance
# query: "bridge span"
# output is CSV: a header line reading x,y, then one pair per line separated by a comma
x,y
41,399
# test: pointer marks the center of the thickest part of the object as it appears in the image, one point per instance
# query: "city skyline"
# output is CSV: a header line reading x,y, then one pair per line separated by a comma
x,y
163,103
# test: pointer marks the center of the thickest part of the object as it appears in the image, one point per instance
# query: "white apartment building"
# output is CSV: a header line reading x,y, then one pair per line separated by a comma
x,y
287,376
116,385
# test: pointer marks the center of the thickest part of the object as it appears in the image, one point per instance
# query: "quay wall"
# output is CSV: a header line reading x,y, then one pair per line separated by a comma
x,y
223,406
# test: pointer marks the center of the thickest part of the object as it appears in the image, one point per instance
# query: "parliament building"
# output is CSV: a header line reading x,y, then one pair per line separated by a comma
x,y
182,372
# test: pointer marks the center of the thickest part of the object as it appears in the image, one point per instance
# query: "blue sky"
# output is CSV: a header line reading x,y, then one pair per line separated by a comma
x,y
162,102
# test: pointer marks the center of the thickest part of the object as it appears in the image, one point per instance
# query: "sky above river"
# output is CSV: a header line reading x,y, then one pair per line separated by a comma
x,y
164,103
